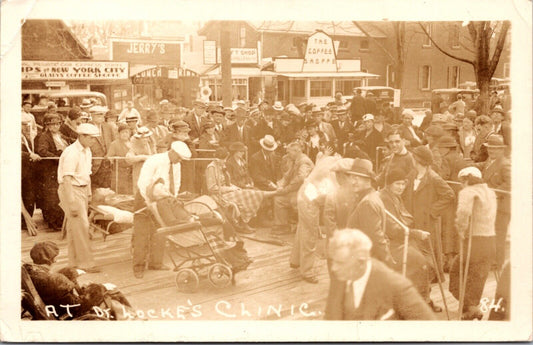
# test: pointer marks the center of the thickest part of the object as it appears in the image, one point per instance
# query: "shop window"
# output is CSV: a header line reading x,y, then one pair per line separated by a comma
x,y
426,41
298,88
424,77
365,44
346,86
454,76
321,88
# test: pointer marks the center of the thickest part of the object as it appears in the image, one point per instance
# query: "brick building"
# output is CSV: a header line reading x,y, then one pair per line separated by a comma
x,y
425,68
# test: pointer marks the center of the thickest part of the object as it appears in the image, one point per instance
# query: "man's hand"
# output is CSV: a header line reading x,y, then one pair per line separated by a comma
x,y
35,157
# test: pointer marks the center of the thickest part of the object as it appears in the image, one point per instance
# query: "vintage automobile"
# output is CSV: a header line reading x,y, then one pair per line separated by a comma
x,y
382,94
64,100
450,95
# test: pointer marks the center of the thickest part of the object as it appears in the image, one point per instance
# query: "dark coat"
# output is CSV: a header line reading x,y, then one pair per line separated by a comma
x,y
239,174
430,201
371,106
342,132
407,135
497,174
231,135
263,170
385,291
337,208
369,216
452,163
370,142
70,134
479,151
196,130
357,108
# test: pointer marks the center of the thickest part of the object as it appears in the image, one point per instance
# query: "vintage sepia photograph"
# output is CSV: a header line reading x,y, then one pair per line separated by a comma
x,y
298,170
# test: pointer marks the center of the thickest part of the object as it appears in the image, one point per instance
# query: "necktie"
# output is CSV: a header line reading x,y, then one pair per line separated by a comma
x,y
240,133
171,179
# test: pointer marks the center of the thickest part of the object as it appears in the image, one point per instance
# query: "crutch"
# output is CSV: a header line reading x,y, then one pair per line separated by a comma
x,y
467,264
438,277
405,240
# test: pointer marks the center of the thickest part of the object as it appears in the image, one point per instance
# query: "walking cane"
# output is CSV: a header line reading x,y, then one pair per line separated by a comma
x,y
467,264
405,240
438,277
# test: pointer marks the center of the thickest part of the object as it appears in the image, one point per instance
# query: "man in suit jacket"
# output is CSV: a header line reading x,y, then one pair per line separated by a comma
x,y
497,173
366,289
300,167
267,125
263,164
342,127
29,160
368,213
370,138
357,108
238,132
196,119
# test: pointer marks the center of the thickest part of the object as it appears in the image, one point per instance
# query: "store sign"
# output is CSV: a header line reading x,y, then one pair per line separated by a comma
x,y
242,55
74,70
320,54
147,52
210,52
148,76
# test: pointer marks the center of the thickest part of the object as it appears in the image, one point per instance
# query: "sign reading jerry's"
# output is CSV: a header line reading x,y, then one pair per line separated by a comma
x,y
147,52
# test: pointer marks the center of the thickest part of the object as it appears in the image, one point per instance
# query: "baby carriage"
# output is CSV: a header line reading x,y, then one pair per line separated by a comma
x,y
195,242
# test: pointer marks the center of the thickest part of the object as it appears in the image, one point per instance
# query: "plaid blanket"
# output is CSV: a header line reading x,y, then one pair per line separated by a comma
x,y
248,202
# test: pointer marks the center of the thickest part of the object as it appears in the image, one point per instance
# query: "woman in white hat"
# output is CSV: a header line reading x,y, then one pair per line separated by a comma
x,y
142,146
475,216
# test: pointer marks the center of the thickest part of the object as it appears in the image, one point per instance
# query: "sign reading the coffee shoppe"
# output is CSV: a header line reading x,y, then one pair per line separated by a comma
x,y
320,54
148,52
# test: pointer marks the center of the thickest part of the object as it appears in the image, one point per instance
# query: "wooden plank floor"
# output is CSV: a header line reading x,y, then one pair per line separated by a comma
x,y
268,290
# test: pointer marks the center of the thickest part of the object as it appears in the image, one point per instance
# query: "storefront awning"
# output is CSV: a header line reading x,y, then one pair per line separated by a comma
x,y
136,69
241,72
357,75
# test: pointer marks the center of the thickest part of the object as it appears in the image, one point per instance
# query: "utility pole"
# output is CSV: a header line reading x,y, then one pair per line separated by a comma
x,y
225,65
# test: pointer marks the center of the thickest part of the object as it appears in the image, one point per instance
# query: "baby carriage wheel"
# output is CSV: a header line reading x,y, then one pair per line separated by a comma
x,y
220,275
187,280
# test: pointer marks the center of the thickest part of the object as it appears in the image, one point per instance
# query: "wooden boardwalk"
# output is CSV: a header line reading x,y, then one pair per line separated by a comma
x,y
268,290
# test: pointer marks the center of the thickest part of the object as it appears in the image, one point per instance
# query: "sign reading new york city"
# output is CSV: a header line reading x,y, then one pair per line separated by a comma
x,y
74,70
320,54
147,52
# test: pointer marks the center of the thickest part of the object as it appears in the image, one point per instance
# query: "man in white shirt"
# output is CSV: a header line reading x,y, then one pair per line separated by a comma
x,y
129,111
165,166
74,177
28,117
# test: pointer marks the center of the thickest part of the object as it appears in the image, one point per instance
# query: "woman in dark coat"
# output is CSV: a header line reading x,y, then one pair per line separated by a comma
x,y
237,166
123,182
50,143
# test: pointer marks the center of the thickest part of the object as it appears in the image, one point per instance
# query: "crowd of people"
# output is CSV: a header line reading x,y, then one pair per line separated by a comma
x,y
299,169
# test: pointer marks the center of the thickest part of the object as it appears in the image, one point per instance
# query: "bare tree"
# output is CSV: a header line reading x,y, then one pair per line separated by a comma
x,y
486,38
396,54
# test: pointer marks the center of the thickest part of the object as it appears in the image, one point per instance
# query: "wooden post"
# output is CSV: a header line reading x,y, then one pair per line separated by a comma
x,y
225,66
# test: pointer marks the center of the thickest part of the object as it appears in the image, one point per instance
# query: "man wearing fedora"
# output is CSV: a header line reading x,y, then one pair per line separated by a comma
x,y
299,167
129,111
196,118
264,164
452,161
342,127
74,178
357,107
165,166
160,131
484,129
238,131
368,214
496,172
